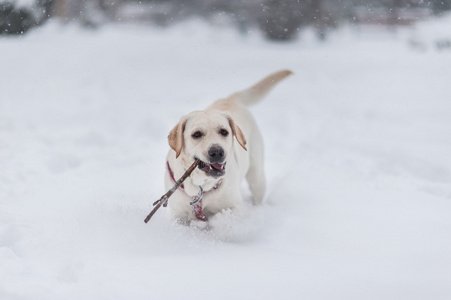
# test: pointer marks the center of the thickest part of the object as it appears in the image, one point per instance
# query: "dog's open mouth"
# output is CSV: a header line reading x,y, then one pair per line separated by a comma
x,y
215,169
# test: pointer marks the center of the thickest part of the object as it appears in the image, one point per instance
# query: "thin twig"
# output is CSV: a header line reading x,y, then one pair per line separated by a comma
x,y
164,199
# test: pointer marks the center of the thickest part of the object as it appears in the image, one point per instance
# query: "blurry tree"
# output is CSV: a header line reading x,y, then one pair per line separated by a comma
x,y
14,20
44,9
326,14
17,17
278,19
281,19
89,13
440,6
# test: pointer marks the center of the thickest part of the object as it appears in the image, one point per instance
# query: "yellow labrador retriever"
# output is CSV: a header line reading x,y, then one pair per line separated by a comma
x,y
226,140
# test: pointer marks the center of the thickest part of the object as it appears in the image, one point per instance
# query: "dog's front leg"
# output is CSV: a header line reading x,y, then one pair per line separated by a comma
x,y
180,208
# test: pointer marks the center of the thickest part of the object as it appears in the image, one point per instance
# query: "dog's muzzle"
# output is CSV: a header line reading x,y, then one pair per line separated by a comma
x,y
216,165
215,169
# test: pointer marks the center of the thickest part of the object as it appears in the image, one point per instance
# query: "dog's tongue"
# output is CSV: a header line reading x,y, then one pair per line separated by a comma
x,y
218,166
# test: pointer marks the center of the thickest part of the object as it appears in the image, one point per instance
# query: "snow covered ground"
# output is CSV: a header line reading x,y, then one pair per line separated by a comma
x,y
358,146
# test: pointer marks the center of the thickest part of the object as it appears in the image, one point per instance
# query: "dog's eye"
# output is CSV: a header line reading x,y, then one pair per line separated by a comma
x,y
224,132
197,135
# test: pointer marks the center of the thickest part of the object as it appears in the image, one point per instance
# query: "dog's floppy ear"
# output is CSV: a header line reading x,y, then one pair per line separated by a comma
x,y
237,133
175,137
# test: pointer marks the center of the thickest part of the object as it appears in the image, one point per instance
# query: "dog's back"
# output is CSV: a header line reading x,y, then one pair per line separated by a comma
x,y
236,106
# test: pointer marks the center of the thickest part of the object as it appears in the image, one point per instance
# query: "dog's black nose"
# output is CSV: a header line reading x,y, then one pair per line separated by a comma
x,y
216,154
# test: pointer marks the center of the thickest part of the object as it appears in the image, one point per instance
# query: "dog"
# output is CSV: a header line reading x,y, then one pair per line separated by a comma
x,y
226,140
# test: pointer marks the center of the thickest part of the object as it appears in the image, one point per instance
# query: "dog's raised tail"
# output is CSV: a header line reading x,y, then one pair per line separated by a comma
x,y
256,92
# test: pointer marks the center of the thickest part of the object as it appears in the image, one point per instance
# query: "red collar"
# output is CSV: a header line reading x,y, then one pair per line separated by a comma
x,y
197,200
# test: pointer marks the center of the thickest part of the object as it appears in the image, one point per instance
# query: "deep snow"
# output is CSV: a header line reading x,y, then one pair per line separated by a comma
x,y
357,158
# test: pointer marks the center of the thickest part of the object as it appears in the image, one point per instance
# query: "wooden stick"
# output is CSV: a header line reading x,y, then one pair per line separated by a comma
x,y
164,199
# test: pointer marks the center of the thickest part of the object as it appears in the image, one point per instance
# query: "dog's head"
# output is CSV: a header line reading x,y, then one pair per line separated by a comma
x,y
208,136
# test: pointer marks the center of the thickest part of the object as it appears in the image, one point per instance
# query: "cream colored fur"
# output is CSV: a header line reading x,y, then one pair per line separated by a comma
x,y
243,149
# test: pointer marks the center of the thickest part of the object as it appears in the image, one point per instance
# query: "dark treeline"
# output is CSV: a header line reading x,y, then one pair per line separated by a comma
x,y
277,19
